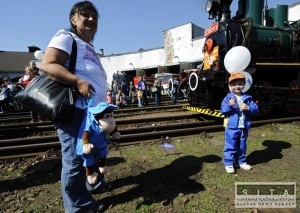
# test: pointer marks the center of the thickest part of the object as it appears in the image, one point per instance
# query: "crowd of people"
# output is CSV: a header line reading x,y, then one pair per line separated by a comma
x,y
121,94
10,89
124,93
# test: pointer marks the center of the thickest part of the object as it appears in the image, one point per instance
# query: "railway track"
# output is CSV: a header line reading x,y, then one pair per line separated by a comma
x,y
42,138
38,138
18,118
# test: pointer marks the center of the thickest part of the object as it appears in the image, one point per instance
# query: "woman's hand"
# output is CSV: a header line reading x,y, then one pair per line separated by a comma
x,y
85,88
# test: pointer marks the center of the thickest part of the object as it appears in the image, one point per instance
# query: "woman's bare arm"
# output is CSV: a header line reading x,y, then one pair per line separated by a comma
x,y
52,64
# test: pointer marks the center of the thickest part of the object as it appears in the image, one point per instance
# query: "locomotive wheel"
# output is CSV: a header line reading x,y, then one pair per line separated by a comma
x,y
262,96
293,104
193,81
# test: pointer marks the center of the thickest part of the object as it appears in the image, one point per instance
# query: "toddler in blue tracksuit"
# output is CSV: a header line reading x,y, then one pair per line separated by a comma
x,y
237,107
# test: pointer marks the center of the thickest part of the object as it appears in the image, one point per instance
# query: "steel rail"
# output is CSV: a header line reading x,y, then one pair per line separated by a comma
x,y
15,146
49,142
12,119
13,129
34,139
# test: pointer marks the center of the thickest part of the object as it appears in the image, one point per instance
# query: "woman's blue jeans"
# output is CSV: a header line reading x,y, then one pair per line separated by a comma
x,y
76,196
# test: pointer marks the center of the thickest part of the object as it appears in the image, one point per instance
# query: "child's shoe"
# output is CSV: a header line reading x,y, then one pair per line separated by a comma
x,y
229,169
245,166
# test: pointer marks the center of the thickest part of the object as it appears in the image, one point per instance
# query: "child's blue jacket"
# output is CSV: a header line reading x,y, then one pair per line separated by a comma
x,y
233,112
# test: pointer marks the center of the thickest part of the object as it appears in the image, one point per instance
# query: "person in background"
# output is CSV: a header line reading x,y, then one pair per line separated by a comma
x,y
35,117
124,89
175,90
28,76
237,107
115,87
122,102
10,86
89,77
16,88
36,70
24,82
109,98
1,101
143,86
167,90
185,93
131,91
118,95
4,98
140,97
10,94
157,92
150,94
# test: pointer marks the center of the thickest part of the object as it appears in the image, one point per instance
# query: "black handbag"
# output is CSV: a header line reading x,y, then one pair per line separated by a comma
x,y
48,98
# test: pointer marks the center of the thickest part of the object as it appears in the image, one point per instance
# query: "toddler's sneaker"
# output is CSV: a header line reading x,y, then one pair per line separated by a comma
x,y
229,169
245,166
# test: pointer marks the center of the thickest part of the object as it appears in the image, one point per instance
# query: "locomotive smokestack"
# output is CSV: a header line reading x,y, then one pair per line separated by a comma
x,y
225,10
266,16
218,9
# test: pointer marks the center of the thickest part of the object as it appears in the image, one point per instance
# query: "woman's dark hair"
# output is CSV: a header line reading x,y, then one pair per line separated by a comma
x,y
78,8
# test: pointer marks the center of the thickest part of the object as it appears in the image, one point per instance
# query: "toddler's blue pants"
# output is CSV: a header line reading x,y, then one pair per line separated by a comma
x,y
235,146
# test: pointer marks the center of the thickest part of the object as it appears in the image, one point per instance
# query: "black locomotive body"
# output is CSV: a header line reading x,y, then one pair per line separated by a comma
x,y
274,44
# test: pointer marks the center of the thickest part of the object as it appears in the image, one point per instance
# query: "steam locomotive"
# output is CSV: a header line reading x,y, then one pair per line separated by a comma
x,y
274,44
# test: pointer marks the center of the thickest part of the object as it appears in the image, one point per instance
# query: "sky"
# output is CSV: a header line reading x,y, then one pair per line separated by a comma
x,y
124,25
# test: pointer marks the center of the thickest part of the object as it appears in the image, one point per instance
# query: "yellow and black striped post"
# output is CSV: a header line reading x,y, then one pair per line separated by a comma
x,y
204,111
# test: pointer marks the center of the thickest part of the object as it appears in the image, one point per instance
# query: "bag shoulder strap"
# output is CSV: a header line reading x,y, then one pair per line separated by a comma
x,y
73,56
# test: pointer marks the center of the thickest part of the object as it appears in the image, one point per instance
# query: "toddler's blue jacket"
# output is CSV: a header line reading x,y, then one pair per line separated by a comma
x,y
233,112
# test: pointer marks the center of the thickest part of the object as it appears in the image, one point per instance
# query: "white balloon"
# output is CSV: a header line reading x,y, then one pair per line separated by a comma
x,y
249,81
237,59
38,54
